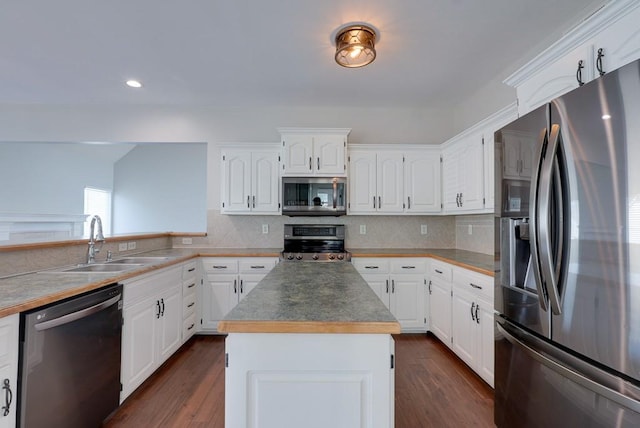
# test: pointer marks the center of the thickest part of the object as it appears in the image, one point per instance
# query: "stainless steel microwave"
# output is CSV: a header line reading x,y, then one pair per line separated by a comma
x,y
314,196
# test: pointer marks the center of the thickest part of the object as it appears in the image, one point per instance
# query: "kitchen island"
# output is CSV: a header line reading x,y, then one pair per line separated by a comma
x,y
310,346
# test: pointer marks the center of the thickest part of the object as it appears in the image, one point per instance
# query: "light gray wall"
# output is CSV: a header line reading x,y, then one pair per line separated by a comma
x,y
152,182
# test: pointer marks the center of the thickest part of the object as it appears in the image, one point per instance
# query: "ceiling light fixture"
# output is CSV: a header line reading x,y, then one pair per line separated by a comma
x,y
355,46
134,84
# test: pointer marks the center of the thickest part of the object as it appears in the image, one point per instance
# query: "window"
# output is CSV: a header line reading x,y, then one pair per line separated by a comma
x,y
97,202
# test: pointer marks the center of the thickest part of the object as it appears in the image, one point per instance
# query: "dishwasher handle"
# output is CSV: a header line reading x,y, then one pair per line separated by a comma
x,y
65,319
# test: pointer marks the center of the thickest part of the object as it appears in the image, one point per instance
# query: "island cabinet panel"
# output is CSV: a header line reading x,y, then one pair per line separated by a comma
x,y
226,282
153,323
401,285
9,327
309,380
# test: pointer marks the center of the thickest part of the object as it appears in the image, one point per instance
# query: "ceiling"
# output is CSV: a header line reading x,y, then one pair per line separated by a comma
x,y
431,53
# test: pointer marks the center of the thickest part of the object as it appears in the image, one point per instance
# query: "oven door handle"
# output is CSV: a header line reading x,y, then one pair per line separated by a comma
x,y
65,319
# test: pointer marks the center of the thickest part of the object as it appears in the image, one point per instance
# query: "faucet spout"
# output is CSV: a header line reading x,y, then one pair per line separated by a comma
x,y
94,236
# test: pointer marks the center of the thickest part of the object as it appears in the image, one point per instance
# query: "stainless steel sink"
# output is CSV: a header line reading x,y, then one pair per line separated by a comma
x,y
103,267
139,260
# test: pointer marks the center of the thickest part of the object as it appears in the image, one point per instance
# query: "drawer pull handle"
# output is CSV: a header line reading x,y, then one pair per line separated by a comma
x,y
257,267
191,285
191,304
191,270
439,271
219,267
475,286
408,267
191,326
371,267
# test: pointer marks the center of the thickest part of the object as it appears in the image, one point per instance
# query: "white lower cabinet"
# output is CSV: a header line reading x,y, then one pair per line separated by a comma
x,y
226,282
472,321
461,309
400,283
440,300
153,324
9,327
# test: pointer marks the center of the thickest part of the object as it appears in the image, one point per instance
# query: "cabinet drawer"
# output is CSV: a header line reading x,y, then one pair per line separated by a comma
x,y
189,270
441,270
475,282
189,286
220,265
189,326
189,305
370,265
257,265
409,265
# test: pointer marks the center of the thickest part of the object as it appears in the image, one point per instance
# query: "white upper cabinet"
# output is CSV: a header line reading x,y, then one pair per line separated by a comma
x,y
517,156
314,152
422,181
250,181
392,179
463,175
604,42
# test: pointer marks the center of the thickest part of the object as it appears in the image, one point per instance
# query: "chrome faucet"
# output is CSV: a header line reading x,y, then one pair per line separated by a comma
x,y
98,237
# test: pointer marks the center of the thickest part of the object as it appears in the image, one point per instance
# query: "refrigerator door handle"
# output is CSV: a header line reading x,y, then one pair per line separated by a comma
x,y
572,375
549,267
533,221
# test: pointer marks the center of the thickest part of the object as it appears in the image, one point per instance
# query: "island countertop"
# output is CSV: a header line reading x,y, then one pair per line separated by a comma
x,y
311,297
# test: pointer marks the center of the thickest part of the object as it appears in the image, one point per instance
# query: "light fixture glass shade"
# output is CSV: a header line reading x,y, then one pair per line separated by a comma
x,y
355,46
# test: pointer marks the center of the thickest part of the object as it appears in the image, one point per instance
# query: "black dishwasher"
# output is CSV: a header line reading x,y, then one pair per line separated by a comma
x,y
69,373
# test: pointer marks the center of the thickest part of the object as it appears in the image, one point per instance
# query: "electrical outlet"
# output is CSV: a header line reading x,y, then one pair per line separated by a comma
x,y
363,229
470,229
122,246
265,228
187,241
423,229
131,245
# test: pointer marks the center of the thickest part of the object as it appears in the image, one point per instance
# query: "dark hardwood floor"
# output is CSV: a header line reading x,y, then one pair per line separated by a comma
x,y
433,389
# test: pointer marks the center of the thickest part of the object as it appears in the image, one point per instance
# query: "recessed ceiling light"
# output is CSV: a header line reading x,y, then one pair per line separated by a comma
x,y
134,84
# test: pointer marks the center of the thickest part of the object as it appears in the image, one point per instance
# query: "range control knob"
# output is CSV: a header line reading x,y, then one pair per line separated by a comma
x,y
314,257
332,257
299,257
340,256
290,257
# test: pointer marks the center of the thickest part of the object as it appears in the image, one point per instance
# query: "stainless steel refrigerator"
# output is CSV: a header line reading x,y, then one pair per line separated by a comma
x,y
567,294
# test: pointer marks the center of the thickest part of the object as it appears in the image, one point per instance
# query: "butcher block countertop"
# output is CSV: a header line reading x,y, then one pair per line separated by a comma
x,y
19,293
311,297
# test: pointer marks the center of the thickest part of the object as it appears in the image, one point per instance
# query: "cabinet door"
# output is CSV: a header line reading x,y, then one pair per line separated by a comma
x,y
298,154
407,300
8,376
486,342
555,79
170,329
422,182
472,174
440,310
247,283
236,178
451,178
265,182
139,344
329,152
380,285
464,326
390,182
489,168
9,344
620,42
362,182
220,295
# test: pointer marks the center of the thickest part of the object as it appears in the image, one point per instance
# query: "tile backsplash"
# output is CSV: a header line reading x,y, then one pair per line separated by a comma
x,y
475,233
243,231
